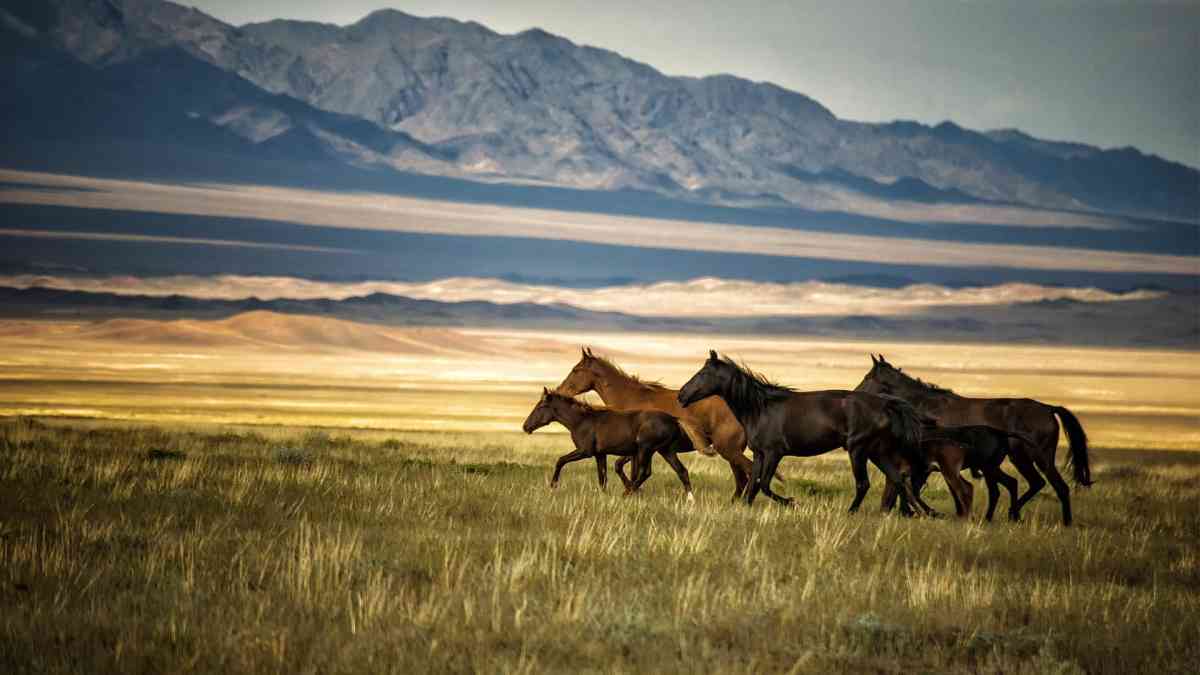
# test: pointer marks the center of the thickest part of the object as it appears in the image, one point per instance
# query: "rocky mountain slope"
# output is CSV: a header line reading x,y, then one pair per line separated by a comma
x,y
456,98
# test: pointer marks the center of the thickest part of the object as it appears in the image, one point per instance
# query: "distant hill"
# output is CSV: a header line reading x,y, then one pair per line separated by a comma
x,y
445,97
360,322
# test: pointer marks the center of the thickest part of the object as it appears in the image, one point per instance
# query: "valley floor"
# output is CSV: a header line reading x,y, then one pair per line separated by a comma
x,y
164,549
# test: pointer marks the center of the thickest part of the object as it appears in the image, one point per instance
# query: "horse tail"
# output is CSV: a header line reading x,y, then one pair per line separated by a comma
x,y
1077,459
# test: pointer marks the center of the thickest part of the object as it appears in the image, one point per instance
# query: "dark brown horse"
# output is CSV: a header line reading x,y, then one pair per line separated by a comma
x,y
1037,420
780,421
598,432
709,422
976,447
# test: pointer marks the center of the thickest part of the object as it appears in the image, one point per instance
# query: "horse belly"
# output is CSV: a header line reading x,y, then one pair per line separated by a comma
x,y
808,435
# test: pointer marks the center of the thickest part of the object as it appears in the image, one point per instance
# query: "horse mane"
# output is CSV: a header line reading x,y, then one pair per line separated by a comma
x,y
750,391
653,385
912,381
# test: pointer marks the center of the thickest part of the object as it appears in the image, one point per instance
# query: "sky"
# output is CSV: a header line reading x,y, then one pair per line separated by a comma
x,y
1111,73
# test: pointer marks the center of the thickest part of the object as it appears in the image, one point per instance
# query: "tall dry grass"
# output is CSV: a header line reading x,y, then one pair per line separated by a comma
x,y
156,550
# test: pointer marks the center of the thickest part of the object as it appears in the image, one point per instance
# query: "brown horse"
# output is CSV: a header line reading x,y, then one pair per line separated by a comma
x,y
1032,457
708,422
780,421
598,432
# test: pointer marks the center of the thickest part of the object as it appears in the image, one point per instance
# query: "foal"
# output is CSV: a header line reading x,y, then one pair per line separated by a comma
x,y
976,447
598,432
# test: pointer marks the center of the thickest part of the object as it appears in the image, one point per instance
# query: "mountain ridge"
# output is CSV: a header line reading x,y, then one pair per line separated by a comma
x,y
536,106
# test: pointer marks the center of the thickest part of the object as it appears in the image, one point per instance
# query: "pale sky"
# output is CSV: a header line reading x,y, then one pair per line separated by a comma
x,y
1107,72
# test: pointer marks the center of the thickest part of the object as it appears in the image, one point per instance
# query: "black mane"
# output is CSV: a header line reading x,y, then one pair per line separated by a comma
x,y
749,392
926,387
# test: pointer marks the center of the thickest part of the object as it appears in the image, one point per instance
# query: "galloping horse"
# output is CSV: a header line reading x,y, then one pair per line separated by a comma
x,y
597,432
708,422
1018,415
780,421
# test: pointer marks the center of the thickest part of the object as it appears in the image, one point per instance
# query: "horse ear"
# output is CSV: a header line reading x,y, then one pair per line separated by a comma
x,y
873,361
883,361
545,391
712,355
583,352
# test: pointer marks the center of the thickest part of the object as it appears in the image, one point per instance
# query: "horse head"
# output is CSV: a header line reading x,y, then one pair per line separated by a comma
x,y
712,379
542,413
582,377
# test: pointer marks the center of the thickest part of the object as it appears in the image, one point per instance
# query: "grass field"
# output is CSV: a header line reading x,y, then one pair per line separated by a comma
x,y
211,549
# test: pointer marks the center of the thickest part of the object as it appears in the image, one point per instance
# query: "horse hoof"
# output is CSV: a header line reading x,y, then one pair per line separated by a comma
x,y
691,498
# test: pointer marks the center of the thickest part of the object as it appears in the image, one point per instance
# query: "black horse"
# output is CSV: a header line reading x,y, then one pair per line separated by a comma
x,y
1020,415
780,421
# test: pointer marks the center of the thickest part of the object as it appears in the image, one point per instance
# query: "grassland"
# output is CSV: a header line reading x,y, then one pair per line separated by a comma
x,y
209,549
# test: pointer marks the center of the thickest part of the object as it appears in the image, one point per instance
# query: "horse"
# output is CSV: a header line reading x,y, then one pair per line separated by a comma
x,y
1033,456
708,422
976,447
598,432
781,421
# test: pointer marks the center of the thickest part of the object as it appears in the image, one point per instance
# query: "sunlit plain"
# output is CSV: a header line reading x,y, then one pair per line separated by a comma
x,y
277,370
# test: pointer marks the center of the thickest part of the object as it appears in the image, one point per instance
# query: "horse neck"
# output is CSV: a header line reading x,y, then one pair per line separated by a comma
x,y
619,391
568,415
750,402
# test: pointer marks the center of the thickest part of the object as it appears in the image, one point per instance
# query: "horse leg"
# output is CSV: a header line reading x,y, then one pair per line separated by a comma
x,y
1032,476
768,473
731,448
862,482
567,459
619,466
902,481
887,502
602,470
1011,485
741,477
755,472
918,484
642,467
962,491
1060,489
672,460
993,488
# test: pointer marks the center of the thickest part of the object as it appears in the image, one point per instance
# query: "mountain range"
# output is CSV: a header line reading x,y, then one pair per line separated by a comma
x,y
396,92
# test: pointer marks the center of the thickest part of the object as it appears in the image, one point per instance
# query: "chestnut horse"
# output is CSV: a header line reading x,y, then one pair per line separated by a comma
x,y
708,422
780,421
598,432
1032,457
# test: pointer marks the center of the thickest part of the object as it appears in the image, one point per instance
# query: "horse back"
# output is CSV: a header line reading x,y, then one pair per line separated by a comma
x,y
1010,414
